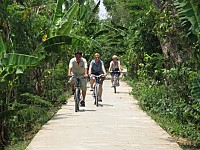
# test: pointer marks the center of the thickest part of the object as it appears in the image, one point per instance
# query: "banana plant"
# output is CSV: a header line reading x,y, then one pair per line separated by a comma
x,y
64,24
189,13
11,66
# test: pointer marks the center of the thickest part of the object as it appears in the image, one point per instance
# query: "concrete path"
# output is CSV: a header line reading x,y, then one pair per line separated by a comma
x,y
117,124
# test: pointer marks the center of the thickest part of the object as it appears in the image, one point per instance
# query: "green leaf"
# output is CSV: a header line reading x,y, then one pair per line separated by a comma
x,y
94,11
188,13
100,33
14,59
67,20
52,44
2,47
58,12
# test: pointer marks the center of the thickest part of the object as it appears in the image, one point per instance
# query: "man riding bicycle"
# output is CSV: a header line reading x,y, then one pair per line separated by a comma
x,y
97,68
78,67
115,68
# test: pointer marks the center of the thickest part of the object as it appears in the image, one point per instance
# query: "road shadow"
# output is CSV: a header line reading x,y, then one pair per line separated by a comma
x,y
84,110
106,105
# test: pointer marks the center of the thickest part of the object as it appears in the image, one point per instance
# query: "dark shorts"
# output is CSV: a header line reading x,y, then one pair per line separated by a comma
x,y
115,73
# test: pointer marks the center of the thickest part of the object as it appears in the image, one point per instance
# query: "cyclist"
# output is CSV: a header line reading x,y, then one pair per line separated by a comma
x,y
78,67
115,66
97,68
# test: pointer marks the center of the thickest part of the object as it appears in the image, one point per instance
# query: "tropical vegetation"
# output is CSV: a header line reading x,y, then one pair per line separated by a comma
x,y
157,40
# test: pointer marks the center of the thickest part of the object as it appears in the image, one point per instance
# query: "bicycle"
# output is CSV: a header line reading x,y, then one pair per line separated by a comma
x,y
77,92
96,93
115,82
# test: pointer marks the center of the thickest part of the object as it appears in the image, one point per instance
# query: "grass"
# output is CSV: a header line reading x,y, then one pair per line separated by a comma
x,y
185,134
19,146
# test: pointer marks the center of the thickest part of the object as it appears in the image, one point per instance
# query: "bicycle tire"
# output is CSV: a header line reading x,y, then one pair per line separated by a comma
x,y
115,84
115,89
77,99
97,94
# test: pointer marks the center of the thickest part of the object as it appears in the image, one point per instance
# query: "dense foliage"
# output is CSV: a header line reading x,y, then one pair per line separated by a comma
x,y
162,57
37,40
157,41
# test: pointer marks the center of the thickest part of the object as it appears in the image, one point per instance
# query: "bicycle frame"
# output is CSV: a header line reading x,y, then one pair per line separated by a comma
x,y
77,93
115,80
96,92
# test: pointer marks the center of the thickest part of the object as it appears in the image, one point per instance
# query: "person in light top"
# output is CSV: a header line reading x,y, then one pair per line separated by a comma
x,y
97,68
78,67
115,68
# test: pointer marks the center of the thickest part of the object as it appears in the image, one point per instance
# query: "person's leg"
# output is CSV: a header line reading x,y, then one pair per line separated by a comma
x,y
112,78
72,83
84,89
101,88
91,83
72,86
118,78
83,94
82,102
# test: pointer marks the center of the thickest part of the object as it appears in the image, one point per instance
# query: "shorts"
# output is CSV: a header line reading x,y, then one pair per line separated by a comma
x,y
83,83
113,73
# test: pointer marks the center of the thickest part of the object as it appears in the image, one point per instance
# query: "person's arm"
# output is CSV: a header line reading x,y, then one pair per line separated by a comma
x,y
70,68
120,67
70,72
110,68
85,68
103,69
90,69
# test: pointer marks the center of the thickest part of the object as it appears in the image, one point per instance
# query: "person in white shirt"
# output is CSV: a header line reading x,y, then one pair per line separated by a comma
x,y
115,68
78,67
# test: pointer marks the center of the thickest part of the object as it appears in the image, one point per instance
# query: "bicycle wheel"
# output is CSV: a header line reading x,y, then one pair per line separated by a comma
x,y
115,89
77,99
114,84
94,96
97,95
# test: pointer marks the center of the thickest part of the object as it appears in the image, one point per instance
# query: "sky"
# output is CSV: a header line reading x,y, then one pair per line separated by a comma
x,y
103,14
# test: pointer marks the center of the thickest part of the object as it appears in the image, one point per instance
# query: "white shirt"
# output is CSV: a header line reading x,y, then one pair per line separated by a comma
x,y
78,68
114,66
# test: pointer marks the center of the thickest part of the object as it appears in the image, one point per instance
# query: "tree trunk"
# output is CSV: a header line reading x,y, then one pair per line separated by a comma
x,y
170,50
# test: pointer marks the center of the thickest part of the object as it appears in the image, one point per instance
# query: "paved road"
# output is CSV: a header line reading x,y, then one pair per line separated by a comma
x,y
117,124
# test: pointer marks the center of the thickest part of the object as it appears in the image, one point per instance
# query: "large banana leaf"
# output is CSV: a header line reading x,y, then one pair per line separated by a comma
x,y
188,13
94,11
67,20
83,11
19,60
58,12
52,44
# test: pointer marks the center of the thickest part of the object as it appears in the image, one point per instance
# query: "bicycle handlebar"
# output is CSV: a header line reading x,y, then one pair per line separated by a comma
x,y
97,76
73,76
116,72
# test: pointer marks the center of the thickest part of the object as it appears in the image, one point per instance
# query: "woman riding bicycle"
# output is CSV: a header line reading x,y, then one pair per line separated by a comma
x,y
115,68
97,68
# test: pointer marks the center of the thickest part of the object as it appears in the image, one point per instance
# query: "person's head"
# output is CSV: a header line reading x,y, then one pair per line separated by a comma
x,y
78,55
114,58
97,56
